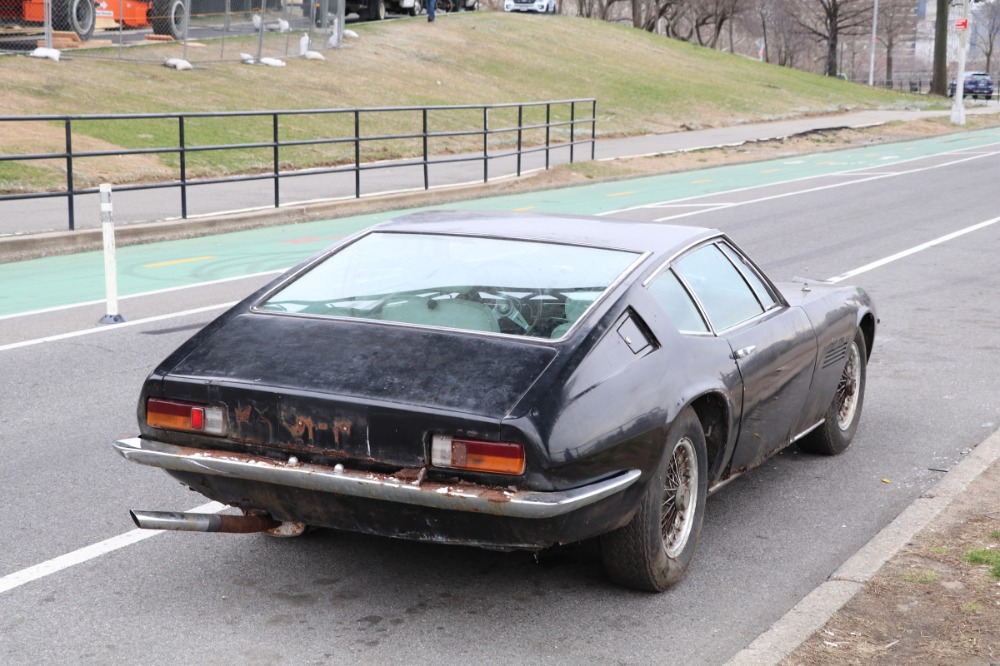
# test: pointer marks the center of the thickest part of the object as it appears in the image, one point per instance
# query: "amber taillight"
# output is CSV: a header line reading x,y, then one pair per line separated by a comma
x,y
477,455
185,416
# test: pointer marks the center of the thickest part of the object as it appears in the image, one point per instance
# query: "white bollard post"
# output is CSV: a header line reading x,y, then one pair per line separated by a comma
x,y
110,264
47,17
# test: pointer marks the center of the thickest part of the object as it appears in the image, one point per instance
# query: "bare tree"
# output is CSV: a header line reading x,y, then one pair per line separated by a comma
x,y
772,26
939,78
830,20
763,15
897,21
723,13
987,27
601,10
654,13
791,45
769,31
679,19
700,21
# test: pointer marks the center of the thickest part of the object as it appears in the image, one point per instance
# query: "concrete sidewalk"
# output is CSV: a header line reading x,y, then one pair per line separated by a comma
x,y
737,135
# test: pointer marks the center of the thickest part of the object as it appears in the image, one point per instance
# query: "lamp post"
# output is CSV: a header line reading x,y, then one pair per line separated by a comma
x,y
871,61
962,26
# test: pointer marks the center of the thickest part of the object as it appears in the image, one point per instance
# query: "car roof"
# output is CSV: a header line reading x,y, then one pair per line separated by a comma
x,y
603,232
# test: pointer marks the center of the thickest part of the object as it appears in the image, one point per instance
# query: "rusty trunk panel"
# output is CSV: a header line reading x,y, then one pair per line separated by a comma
x,y
433,369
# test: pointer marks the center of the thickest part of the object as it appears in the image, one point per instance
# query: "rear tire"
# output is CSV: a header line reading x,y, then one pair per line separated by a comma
x,y
168,18
416,8
834,435
76,15
376,10
652,552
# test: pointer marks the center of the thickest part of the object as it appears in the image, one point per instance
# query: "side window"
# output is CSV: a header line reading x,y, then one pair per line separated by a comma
x,y
721,289
764,294
667,290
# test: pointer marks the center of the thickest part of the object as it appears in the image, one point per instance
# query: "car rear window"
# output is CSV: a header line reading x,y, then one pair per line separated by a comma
x,y
515,287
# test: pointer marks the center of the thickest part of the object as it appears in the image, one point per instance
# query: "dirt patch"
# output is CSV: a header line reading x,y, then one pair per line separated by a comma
x,y
929,604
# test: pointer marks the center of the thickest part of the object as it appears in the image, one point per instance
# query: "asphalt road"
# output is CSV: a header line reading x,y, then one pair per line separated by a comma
x,y
891,216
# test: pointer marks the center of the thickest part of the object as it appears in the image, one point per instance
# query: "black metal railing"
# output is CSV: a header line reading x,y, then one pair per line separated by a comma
x,y
580,128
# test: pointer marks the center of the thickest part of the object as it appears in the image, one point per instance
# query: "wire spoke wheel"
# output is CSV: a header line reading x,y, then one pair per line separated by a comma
x,y
654,549
847,389
834,433
679,498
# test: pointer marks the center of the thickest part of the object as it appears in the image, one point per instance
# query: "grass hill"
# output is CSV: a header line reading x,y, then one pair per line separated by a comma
x,y
643,82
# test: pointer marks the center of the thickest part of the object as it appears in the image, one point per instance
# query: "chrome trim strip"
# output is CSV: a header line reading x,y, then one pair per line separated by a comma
x,y
802,434
807,431
723,484
669,260
356,483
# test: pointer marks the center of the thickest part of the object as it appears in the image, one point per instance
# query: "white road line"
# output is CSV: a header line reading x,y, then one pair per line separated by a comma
x,y
868,167
671,204
913,250
155,292
112,327
19,578
820,188
859,174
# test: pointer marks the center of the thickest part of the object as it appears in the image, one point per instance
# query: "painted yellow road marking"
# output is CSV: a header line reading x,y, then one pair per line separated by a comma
x,y
770,170
623,194
825,163
701,182
177,261
522,209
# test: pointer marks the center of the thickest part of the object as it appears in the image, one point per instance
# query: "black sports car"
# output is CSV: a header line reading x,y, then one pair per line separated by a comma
x,y
507,381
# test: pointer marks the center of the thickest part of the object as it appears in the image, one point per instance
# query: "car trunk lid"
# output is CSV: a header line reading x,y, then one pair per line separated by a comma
x,y
359,390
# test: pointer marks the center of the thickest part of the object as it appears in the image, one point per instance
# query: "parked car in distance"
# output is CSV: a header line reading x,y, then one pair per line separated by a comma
x,y
532,6
457,5
506,381
977,84
366,10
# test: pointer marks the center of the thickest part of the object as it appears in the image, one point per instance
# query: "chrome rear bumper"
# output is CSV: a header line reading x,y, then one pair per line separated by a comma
x,y
466,497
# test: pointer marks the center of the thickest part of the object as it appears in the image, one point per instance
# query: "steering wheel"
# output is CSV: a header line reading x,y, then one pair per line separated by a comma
x,y
504,306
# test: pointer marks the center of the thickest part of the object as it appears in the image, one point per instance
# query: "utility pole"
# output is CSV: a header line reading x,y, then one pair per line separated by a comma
x,y
962,26
871,61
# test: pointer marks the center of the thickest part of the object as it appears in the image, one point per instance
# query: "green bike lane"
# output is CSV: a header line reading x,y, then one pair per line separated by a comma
x,y
66,280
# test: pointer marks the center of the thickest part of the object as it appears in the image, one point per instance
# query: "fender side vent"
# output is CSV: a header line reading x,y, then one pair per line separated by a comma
x,y
835,353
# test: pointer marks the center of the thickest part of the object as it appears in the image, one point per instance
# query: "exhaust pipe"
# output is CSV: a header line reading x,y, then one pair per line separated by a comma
x,y
202,522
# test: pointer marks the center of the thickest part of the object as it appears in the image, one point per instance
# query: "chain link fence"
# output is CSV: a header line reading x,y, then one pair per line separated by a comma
x,y
186,32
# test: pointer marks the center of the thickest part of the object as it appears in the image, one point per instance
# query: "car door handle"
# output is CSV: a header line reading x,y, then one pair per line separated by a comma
x,y
744,352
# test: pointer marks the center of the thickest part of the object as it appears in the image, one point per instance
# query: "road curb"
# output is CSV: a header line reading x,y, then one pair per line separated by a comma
x,y
812,612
